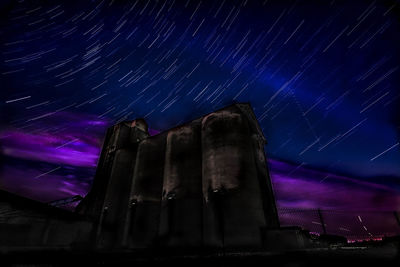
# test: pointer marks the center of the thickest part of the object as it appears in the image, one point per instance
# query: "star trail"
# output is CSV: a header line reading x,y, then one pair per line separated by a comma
x,y
322,77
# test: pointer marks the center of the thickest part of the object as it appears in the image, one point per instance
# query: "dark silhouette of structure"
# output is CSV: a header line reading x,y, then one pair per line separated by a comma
x,y
201,184
201,187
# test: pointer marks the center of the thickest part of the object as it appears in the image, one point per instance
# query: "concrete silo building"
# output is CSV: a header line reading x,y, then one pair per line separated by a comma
x,y
201,184
198,194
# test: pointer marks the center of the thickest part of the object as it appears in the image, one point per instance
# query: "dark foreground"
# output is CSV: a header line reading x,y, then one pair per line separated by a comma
x,y
382,255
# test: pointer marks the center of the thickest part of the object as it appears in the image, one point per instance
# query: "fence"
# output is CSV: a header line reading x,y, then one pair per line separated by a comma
x,y
354,225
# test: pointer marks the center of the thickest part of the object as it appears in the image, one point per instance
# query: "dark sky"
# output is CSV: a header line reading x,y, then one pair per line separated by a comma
x,y
322,77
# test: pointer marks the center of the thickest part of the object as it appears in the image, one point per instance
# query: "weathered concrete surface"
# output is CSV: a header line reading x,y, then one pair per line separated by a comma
x,y
145,196
181,214
202,184
229,170
25,224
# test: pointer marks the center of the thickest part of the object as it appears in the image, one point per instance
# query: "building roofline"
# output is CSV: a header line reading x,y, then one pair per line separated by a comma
x,y
34,205
244,107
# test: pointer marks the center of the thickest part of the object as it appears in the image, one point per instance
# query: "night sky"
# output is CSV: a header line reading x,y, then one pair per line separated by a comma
x,y
321,76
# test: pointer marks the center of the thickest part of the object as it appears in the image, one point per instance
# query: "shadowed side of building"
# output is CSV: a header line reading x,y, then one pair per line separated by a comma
x,y
201,184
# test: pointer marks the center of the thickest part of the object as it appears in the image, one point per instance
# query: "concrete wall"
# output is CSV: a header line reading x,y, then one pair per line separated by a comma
x,y
146,191
29,224
230,175
182,201
202,184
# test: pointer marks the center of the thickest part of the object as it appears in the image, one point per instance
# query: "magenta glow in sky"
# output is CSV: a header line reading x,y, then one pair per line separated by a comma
x,y
60,162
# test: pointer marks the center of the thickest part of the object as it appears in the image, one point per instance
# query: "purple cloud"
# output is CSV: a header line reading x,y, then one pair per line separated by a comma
x,y
57,159
350,207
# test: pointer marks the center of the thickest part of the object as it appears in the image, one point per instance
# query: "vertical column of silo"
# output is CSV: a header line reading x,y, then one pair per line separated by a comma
x,y
111,176
117,195
117,137
123,153
233,210
269,205
146,190
106,199
92,203
258,140
181,214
